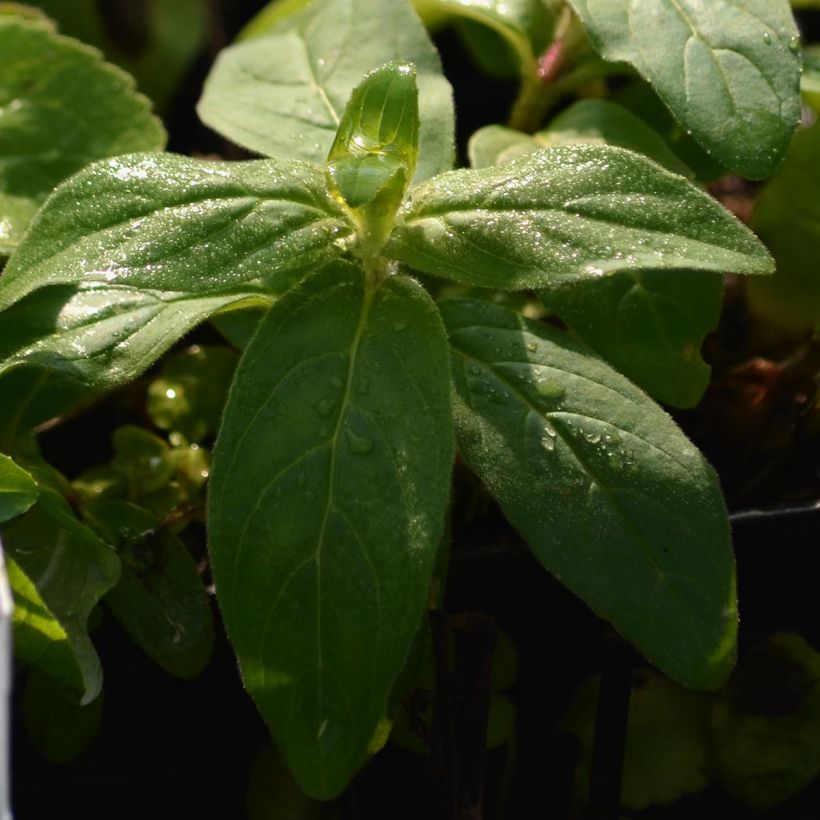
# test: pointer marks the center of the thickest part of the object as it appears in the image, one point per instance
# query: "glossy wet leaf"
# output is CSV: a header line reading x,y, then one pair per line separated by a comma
x,y
326,506
787,218
58,570
596,121
765,727
163,222
373,157
97,334
160,599
61,107
18,490
606,490
58,727
568,213
189,394
282,95
667,753
650,325
238,325
143,458
729,71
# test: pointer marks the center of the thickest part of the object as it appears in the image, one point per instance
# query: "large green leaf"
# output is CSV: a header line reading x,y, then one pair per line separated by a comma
x,y
649,325
102,335
787,217
729,70
58,570
18,490
61,107
607,491
568,213
597,121
329,483
283,94
165,222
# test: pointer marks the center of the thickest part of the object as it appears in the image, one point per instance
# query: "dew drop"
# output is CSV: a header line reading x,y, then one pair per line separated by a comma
x,y
767,38
325,407
794,44
532,347
549,388
360,445
475,370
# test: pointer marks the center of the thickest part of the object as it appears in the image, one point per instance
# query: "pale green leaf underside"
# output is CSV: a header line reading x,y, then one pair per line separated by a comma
x,y
650,325
568,213
607,491
329,483
167,223
729,70
61,107
283,94
58,571
595,121
103,335
18,490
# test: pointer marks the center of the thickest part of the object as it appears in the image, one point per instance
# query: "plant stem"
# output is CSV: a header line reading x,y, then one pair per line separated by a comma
x,y
533,103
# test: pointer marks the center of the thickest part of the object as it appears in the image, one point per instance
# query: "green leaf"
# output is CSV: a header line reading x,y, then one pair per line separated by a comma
x,y
331,475
164,222
160,599
283,94
58,570
810,80
525,25
608,492
374,154
18,490
568,213
729,71
58,727
189,395
667,752
649,325
595,121
787,218
61,107
102,335
143,458
765,727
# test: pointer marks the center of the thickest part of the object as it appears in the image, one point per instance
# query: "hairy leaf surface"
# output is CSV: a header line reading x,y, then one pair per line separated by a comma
x,y
329,483
729,70
103,335
61,107
283,94
607,491
166,222
568,213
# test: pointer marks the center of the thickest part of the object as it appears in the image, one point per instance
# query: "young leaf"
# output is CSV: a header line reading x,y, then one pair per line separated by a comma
x,y
163,222
649,325
61,107
568,213
596,121
283,95
607,491
374,154
58,570
728,71
326,506
160,599
101,335
787,217
18,490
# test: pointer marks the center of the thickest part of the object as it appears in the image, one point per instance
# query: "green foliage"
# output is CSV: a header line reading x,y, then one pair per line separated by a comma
x,y
331,471
61,107
723,69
